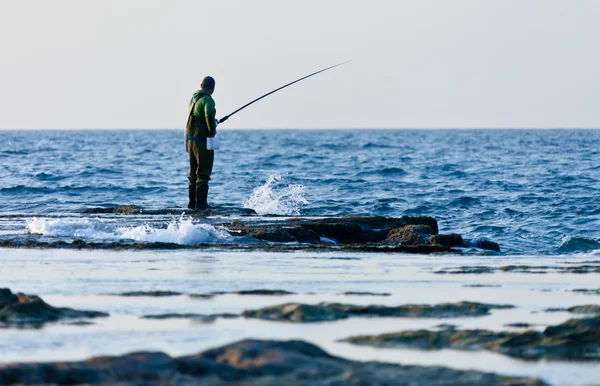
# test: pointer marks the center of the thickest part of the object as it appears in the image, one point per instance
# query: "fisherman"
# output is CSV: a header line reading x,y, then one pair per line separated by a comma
x,y
201,124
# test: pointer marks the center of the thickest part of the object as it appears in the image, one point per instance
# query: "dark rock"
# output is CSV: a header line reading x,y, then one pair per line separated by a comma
x,y
304,313
123,209
346,230
576,339
202,296
150,293
259,292
486,244
245,363
201,317
466,270
410,235
20,310
519,325
449,240
264,292
354,293
535,269
587,291
482,285
586,309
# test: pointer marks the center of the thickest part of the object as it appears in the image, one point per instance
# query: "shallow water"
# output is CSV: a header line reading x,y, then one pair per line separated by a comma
x,y
91,279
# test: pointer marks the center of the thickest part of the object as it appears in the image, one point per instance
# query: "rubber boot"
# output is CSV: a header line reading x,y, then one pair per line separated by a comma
x,y
202,197
192,196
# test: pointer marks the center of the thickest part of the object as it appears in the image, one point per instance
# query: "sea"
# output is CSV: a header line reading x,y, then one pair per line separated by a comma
x,y
534,192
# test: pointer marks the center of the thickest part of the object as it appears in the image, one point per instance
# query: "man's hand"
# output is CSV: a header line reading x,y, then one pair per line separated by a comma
x,y
216,123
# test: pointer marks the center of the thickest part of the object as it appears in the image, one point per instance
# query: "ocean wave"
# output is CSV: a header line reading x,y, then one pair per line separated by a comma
x,y
578,244
273,198
182,231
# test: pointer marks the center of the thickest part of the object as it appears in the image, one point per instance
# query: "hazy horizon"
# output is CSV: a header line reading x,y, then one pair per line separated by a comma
x,y
466,64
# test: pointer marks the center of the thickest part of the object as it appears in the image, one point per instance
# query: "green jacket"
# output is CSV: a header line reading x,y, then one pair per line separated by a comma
x,y
201,121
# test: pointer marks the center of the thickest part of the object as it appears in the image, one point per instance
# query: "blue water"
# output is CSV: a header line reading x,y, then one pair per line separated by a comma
x,y
533,191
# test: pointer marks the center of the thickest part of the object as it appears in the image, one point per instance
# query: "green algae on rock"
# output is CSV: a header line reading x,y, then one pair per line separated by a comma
x,y
325,311
575,339
245,363
29,311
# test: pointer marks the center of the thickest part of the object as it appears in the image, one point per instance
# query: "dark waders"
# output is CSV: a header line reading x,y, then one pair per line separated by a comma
x,y
201,165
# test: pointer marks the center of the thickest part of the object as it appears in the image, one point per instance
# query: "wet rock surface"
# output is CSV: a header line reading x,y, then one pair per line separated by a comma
x,y
575,339
29,311
248,362
306,313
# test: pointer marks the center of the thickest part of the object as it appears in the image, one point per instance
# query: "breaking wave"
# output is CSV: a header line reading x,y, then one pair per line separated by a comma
x,y
182,231
579,244
274,198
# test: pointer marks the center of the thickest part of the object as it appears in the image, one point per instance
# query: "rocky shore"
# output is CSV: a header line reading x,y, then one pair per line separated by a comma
x,y
29,311
575,339
248,362
408,234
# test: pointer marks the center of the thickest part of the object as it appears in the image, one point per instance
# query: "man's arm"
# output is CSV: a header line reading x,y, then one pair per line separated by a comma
x,y
209,114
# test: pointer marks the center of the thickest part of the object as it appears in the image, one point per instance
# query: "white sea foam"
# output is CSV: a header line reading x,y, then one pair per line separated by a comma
x,y
181,231
79,228
274,198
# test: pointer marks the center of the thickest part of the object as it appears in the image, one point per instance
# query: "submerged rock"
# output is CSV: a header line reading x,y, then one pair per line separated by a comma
x,y
20,310
156,294
201,317
355,293
587,291
576,339
585,309
305,313
245,363
257,292
533,269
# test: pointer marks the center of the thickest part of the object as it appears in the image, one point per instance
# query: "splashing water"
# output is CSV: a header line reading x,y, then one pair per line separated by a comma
x,y
268,199
181,231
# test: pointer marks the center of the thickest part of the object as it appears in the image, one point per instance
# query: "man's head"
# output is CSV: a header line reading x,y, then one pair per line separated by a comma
x,y
208,84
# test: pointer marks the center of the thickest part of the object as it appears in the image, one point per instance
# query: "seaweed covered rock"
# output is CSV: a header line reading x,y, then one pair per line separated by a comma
x,y
304,313
575,339
248,362
411,234
20,310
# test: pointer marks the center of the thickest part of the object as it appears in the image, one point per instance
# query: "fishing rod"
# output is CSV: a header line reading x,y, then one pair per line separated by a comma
x,y
226,117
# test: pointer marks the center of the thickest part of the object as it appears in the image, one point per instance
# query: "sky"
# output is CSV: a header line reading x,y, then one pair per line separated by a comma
x,y
79,64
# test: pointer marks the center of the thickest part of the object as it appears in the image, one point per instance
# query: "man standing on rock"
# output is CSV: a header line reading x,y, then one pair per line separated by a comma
x,y
201,124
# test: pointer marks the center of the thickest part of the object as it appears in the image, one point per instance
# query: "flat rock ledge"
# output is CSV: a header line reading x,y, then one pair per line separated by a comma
x,y
406,234
29,311
248,362
420,231
575,339
322,312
